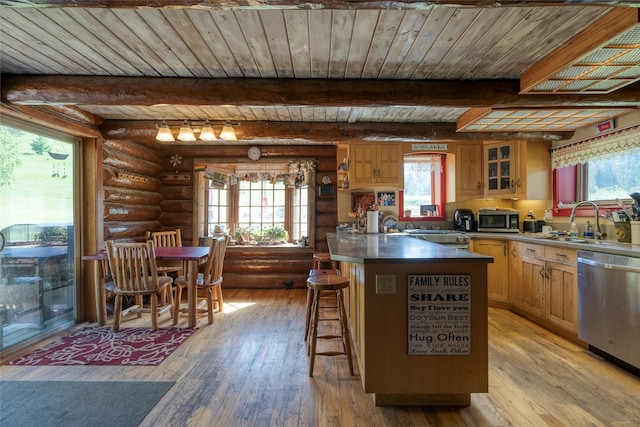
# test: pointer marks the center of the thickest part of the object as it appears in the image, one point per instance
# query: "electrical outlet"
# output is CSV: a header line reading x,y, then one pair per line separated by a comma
x,y
385,283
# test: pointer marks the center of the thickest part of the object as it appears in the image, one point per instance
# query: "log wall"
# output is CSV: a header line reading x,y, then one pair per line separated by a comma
x,y
144,191
131,182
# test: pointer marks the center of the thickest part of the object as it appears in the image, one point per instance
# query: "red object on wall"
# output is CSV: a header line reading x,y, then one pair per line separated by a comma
x,y
564,187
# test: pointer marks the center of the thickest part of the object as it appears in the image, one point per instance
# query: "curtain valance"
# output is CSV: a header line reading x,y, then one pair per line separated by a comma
x,y
605,146
423,162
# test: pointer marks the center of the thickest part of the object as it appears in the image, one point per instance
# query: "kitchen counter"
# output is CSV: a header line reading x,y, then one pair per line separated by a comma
x,y
604,246
418,318
395,247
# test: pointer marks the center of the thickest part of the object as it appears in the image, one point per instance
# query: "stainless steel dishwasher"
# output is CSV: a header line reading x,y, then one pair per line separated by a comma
x,y
609,304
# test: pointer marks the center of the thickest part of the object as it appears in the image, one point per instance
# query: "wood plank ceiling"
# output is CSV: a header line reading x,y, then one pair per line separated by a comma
x,y
288,72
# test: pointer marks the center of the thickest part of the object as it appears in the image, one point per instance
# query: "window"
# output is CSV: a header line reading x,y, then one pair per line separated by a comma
x,y
612,178
423,196
38,211
272,203
600,169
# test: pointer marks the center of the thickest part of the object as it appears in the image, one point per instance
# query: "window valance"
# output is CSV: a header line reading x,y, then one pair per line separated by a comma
x,y
423,162
598,147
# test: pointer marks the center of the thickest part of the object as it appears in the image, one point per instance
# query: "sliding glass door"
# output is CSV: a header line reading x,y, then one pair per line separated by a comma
x,y
37,222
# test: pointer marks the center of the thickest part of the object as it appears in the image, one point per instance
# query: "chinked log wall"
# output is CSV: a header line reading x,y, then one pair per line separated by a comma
x,y
137,199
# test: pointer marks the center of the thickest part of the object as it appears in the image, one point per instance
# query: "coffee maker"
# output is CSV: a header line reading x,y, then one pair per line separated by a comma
x,y
463,220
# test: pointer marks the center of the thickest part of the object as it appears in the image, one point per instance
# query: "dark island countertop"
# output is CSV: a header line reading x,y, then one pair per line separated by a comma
x,y
368,248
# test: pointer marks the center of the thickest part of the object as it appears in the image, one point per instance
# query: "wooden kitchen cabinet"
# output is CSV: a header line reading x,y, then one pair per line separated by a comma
x,y
500,168
561,288
376,164
543,282
517,169
469,168
528,281
498,271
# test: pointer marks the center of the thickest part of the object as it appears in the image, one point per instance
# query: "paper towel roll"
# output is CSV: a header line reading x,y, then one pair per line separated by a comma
x,y
372,222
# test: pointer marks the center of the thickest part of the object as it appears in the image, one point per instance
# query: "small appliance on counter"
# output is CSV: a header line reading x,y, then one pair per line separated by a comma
x,y
532,225
463,220
499,220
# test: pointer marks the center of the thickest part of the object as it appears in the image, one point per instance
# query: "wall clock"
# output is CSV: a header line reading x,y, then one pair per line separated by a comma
x,y
254,153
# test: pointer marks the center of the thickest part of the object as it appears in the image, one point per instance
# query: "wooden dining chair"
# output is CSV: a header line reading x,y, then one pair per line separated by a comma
x,y
170,238
134,272
210,280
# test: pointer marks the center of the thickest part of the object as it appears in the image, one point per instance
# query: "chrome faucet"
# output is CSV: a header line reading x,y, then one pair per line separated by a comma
x,y
597,234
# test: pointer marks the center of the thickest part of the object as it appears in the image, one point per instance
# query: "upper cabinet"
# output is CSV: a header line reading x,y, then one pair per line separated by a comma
x,y
376,164
469,171
517,169
500,168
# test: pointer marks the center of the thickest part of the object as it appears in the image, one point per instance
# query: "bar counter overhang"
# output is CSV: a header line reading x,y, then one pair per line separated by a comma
x,y
418,316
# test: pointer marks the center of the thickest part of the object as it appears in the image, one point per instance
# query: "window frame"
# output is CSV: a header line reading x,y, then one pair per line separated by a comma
x,y
441,186
201,185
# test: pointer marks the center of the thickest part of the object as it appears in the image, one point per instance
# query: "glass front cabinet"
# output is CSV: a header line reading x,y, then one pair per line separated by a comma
x,y
500,168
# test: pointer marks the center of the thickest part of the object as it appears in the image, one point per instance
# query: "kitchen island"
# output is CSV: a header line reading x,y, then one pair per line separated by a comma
x,y
418,318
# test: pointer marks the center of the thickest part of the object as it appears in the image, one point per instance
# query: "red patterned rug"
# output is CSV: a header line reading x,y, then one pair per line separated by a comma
x,y
103,346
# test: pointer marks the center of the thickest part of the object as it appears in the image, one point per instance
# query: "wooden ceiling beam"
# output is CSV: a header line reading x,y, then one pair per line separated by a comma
x,y
146,91
304,133
305,4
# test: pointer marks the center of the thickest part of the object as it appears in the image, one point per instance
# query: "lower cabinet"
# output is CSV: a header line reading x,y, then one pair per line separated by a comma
x,y
543,282
561,289
498,271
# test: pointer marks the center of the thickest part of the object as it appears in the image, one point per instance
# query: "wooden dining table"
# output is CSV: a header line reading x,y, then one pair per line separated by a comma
x,y
192,256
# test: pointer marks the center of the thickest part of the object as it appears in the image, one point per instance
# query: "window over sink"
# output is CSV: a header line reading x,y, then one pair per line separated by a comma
x,y
600,169
423,196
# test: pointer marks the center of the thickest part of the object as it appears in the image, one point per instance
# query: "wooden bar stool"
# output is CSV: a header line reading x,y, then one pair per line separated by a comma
x,y
314,272
318,284
322,260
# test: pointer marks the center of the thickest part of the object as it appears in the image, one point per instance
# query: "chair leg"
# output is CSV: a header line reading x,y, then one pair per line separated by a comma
x,y
346,338
154,312
139,303
220,301
314,331
209,297
172,302
117,312
178,301
309,306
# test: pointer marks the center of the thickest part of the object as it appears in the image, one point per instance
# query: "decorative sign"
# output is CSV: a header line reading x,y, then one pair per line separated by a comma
x,y
604,126
439,314
437,147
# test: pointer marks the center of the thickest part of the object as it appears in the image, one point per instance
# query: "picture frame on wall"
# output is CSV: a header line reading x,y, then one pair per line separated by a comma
x,y
326,191
386,198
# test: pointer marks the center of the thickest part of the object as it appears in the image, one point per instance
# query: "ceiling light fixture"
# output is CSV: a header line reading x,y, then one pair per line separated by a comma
x,y
228,134
599,60
186,133
164,133
206,133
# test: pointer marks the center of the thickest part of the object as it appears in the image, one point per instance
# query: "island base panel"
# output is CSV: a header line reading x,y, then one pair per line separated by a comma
x,y
400,399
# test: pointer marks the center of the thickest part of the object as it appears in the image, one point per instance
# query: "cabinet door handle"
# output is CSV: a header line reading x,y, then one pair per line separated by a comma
x,y
531,250
561,255
542,272
513,252
479,185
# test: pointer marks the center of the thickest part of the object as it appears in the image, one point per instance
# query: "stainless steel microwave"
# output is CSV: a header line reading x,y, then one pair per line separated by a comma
x,y
498,220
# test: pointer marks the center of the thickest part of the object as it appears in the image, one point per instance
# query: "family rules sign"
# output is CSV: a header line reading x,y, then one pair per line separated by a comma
x,y
439,314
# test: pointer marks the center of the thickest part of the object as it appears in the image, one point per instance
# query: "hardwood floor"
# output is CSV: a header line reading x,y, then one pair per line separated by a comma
x,y
250,369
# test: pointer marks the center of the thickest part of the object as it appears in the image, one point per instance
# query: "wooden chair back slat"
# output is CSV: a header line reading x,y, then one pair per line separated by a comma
x,y
165,238
133,266
215,262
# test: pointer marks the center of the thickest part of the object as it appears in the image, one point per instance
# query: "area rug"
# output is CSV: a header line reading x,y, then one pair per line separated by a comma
x,y
103,346
78,403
